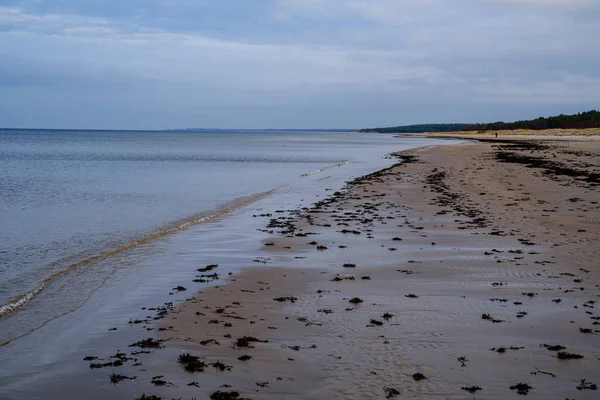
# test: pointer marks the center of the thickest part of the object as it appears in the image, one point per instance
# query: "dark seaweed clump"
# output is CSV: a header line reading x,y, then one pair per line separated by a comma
x,y
521,388
391,392
116,378
191,363
220,395
587,385
288,298
246,340
565,355
419,377
148,344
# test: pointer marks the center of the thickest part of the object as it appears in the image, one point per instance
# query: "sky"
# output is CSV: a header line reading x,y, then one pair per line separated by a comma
x,y
157,64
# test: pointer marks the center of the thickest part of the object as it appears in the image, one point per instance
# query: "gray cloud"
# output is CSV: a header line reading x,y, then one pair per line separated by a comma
x,y
308,63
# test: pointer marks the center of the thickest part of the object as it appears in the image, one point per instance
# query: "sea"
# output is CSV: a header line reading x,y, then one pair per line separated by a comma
x,y
94,223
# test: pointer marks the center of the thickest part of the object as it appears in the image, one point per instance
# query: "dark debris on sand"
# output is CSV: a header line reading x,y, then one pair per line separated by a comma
x,y
291,299
521,388
191,363
246,340
587,385
419,377
116,378
220,395
391,392
471,389
565,355
148,344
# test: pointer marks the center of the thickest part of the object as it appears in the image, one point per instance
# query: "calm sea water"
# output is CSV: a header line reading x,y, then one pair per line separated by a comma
x,y
70,198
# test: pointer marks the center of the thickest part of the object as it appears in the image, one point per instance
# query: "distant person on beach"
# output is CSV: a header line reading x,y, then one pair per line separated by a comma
x,y
496,134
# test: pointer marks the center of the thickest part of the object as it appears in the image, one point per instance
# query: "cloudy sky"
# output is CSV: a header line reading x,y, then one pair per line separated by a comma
x,y
137,64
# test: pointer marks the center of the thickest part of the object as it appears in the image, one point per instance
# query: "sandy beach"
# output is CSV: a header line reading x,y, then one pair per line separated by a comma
x,y
463,271
459,273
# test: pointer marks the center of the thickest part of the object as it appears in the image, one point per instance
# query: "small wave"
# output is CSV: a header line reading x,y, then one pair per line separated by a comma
x,y
324,168
20,301
178,226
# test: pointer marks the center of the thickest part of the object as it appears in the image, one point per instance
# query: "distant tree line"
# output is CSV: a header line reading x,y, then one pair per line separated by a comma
x,y
419,128
588,119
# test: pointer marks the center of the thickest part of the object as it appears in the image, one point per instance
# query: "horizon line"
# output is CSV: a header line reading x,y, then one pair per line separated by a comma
x,y
181,129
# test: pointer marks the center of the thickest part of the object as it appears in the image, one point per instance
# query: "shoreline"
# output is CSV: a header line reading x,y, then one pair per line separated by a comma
x,y
465,278
431,254
120,312
31,300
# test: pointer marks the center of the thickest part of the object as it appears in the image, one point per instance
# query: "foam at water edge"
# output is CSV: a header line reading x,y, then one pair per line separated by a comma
x,y
324,168
21,301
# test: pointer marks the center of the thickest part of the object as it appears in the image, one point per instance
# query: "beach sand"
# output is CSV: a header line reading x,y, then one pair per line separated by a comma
x,y
466,262
542,134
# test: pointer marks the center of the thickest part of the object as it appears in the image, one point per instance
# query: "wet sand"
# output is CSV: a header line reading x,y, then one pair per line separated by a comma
x,y
446,276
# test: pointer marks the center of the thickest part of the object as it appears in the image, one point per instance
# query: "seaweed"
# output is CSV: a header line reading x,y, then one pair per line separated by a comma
x,y
246,340
390,392
221,367
521,388
148,344
209,341
419,377
488,317
471,389
556,347
208,268
355,300
220,395
116,378
298,348
191,363
537,371
291,299
158,381
564,355
587,385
